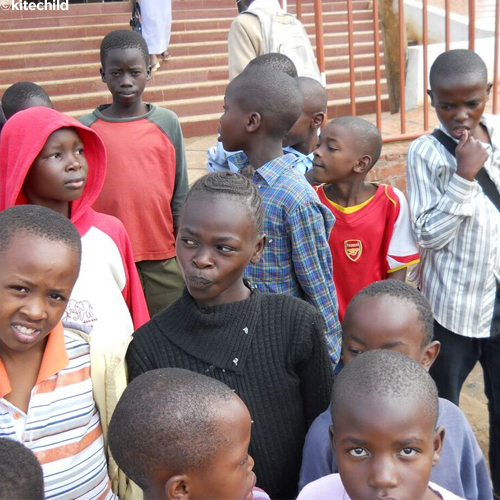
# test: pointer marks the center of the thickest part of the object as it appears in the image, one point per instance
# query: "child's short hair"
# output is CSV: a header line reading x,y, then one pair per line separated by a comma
x,y
273,94
402,291
274,60
166,419
40,222
384,374
21,474
232,185
458,63
124,39
17,95
314,93
367,135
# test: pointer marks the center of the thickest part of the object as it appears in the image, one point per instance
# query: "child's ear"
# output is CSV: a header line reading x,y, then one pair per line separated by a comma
x,y
438,445
488,90
430,354
331,434
431,95
317,120
258,249
103,78
363,165
253,122
148,73
176,488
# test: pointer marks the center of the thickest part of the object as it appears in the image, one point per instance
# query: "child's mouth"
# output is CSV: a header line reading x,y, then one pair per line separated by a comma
x,y
76,183
25,334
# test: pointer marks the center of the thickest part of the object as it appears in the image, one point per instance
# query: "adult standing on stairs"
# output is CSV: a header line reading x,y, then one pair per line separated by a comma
x,y
261,27
156,28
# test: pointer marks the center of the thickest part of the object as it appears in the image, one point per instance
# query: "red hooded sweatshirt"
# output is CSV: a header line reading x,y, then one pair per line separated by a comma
x,y
108,294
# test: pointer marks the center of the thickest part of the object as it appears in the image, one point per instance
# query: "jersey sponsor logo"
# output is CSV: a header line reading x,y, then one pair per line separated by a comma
x,y
353,249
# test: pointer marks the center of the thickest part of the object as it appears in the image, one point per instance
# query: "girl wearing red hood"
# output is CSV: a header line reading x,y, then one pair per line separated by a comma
x,y
50,159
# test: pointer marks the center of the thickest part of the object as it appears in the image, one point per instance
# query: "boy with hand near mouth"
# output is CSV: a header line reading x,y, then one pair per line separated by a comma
x,y
46,396
371,239
384,432
146,181
393,315
457,226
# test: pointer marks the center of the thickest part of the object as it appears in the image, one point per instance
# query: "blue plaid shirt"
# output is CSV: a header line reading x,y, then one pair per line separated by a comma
x,y
297,259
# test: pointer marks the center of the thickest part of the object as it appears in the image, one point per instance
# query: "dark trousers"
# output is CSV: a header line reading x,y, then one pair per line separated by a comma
x,y
457,358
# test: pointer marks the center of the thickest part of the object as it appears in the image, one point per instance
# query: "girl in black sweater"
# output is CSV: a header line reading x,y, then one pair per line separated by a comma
x,y
268,348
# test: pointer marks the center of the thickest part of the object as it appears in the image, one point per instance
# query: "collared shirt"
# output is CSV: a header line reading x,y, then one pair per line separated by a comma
x,y
297,259
458,230
220,159
304,162
62,426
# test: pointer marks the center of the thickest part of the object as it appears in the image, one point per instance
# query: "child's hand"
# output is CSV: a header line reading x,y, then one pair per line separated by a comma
x,y
470,155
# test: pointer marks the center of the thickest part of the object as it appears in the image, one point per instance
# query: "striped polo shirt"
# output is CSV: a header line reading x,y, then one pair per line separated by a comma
x,y
62,426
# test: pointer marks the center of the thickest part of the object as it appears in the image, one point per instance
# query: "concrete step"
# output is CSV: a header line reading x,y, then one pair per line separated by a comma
x,y
170,79
191,42
190,99
193,27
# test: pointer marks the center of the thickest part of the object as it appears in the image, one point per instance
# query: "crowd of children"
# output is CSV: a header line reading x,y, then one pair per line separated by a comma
x,y
161,343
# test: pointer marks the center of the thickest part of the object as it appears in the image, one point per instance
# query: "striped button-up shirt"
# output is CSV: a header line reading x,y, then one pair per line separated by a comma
x,y
297,259
62,425
458,230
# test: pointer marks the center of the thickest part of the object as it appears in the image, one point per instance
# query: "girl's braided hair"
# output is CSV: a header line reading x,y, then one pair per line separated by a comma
x,y
232,185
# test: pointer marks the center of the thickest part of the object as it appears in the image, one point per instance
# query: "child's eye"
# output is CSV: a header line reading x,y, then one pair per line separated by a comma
x,y
355,352
225,249
188,242
115,73
445,107
19,288
330,148
136,73
56,296
55,155
79,151
473,104
358,452
408,452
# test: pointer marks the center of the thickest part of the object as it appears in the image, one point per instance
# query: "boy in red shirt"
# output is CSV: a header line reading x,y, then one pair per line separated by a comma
x,y
146,181
371,239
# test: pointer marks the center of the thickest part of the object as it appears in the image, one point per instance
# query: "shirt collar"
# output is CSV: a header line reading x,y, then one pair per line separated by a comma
x,y
54,359
271,171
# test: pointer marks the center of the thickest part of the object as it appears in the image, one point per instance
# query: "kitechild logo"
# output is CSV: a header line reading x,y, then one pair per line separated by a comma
x,y
25,5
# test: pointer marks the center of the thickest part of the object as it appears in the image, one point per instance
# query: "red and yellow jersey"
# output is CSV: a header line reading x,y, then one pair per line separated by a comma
x,y
369,241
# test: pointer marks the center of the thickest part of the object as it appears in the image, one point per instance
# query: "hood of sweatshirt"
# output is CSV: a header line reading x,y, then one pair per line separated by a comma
x,y
22,139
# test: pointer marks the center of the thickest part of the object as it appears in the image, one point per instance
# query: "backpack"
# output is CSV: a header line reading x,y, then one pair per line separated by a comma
x,y
284,33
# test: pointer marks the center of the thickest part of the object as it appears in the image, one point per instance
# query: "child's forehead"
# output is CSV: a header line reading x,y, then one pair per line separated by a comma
x,y
131,56
459,84
375,416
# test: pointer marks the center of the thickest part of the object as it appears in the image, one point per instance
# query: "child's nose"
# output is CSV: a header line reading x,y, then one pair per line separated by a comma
x,y
383,474
73,164
34,309
461,114
202,259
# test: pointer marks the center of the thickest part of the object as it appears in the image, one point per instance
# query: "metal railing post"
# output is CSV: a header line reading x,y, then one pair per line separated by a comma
x,y
320,43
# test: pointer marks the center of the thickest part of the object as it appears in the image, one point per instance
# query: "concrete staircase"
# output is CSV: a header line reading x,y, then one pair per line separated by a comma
x,y
60,51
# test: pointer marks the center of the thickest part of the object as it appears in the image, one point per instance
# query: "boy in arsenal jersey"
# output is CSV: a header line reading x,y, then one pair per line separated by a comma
x,y
371,239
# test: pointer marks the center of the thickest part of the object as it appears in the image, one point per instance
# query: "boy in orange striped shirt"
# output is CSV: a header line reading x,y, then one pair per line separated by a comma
x,y
46,395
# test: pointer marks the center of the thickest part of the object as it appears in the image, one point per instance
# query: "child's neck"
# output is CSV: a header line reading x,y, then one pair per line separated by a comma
x,y
308,146
22,368
263,150
116,110
62,207
350,193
